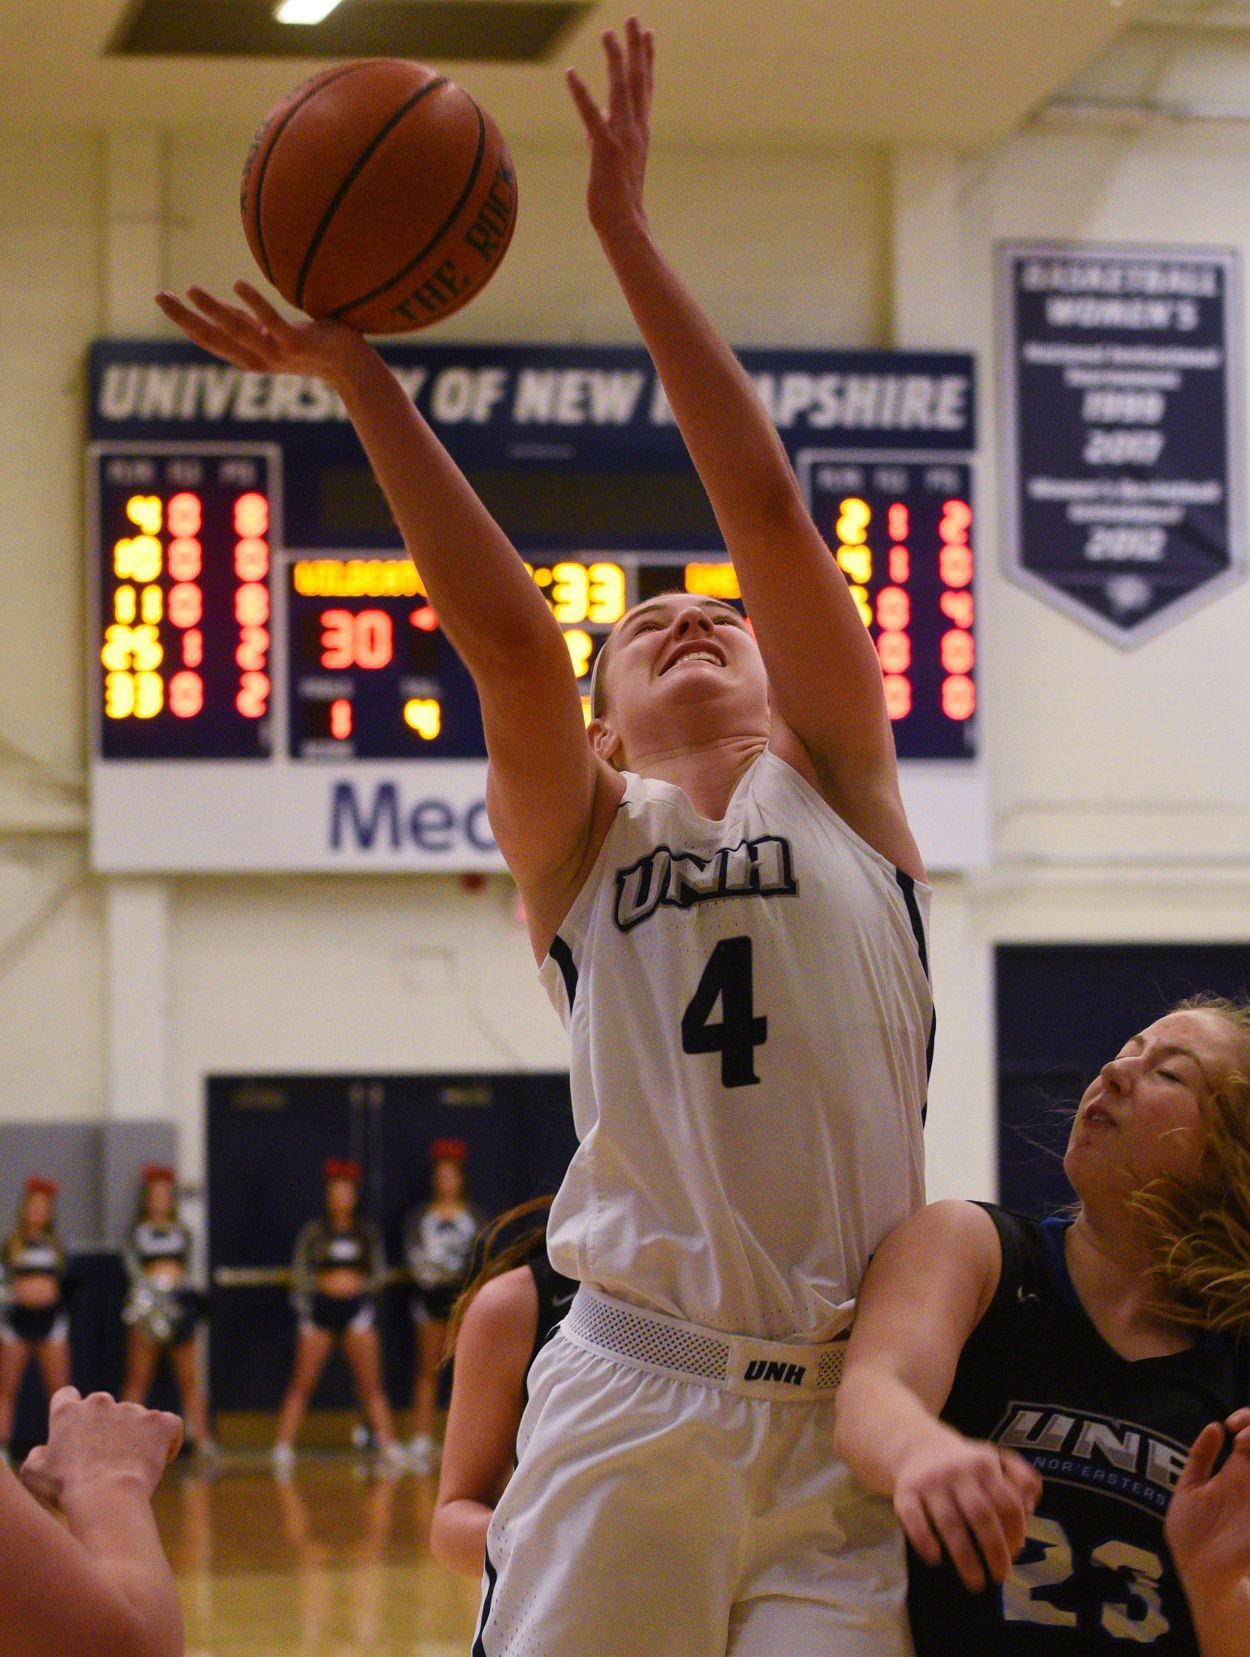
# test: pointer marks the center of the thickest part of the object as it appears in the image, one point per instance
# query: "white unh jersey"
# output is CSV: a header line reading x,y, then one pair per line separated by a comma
x,y
750,1015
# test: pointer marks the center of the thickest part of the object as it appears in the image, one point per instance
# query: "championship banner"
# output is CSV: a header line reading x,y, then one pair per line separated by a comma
x,y
1122,431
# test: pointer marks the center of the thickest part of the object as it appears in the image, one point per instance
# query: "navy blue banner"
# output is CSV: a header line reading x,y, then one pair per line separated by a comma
x,y
484,399
1122,431
507,412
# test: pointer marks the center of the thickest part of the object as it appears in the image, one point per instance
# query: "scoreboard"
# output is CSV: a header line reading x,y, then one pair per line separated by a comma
x,y
186,603
271,686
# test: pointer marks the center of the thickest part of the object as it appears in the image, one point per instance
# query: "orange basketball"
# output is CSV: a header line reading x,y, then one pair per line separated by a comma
x,y
380,193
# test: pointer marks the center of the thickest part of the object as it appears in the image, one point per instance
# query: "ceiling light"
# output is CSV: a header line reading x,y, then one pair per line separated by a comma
x,y
304,11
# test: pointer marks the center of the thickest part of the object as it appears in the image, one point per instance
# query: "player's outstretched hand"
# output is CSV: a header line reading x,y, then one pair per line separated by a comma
x,y
256,336
620,135
968,1499
94,1440
1208,1519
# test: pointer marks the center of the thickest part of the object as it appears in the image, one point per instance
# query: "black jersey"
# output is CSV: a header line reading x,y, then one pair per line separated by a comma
x,y
555,1296
1108,1436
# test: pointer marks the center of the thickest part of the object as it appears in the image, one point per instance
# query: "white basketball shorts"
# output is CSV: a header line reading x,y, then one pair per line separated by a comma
x,y
658,1514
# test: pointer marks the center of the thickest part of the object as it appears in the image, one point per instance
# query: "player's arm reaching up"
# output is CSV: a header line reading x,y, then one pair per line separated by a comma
x,y
822,668
485,600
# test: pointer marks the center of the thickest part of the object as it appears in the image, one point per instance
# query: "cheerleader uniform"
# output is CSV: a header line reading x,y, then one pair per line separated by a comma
x,y
439,1252
41,1256
168,1315
320,1248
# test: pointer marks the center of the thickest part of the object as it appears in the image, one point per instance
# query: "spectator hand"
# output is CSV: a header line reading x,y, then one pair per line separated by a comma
x,y
95,1439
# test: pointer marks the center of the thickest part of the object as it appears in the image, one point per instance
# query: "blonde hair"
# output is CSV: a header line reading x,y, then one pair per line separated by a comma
x,y
1198,1226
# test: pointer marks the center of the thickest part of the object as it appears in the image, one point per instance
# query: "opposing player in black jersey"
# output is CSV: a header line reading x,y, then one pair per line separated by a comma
x,y
32,1272
1060,1394
336,1272
163,1311
497,1328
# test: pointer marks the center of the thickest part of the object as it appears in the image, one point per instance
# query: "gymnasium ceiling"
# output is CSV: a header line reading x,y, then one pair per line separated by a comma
x,y
733,72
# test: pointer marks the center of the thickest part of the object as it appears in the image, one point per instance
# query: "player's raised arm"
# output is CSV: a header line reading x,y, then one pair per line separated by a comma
x,y
822,669
543,775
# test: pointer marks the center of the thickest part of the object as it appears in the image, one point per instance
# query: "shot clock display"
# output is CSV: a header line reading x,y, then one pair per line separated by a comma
x,y
272,688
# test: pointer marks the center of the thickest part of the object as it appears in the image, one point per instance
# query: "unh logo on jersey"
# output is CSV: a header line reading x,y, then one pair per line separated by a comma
x,y
762,868
1120,1458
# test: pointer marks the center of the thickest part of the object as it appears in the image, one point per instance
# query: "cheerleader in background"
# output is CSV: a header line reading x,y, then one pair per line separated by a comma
x,y
162,1310
34,1319
338,1268
438,1247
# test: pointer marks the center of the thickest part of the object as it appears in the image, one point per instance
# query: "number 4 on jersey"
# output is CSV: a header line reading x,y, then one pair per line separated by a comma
x,y
727,979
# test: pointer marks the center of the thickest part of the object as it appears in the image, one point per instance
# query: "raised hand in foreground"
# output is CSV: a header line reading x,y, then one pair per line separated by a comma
x,y
98,1585
619,137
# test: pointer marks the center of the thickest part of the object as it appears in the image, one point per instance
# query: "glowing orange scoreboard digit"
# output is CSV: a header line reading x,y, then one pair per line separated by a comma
x,y
902,531
183,601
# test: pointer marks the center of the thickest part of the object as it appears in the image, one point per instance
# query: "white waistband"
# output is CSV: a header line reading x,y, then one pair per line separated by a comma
x,y
785,1371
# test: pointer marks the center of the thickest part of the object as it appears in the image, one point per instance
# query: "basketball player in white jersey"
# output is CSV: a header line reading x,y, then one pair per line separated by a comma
x,y
729,910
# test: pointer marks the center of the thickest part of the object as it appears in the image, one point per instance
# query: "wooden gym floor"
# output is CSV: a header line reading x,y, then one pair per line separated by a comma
x,y
334,1563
